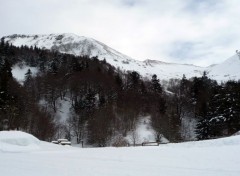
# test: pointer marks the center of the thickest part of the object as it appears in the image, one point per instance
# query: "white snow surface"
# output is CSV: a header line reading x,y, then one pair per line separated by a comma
x,y
64,109
79,45
228,70
17,141
144,132
237,133
20,71
219,157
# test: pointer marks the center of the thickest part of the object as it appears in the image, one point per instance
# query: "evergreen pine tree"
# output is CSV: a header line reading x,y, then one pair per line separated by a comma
x,y
156,86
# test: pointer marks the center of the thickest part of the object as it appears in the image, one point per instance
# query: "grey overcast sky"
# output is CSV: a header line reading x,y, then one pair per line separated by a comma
x,y
200,32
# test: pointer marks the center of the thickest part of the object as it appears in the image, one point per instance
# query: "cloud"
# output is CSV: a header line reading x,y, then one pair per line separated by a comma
x,y
129,3
187,31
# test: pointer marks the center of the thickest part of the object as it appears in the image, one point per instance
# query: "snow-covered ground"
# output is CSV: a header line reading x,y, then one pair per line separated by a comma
x,y
20,71
64,109
143,132
219,157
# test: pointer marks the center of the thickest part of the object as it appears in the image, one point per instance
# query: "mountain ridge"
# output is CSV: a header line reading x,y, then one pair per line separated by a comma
x,y
80,45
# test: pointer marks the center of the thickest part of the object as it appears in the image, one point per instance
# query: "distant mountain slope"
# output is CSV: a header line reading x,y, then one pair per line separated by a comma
x,y
228,70
78,45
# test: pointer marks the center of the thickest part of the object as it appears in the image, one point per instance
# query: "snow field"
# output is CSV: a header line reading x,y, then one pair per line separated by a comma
x,y
219,157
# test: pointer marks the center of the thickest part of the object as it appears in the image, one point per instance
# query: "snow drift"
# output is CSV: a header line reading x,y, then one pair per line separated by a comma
x,y
16,141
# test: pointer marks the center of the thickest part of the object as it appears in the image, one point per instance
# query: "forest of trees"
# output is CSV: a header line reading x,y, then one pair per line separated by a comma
x,y
106,102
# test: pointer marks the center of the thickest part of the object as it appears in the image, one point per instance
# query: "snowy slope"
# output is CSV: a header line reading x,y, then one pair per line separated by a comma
x,y
143,132
78,45
219,157
228,70
19,72
71,44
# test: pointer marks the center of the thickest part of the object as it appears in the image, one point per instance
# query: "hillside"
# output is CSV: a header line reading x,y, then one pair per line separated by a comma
x,y
62,95
78,45
228,70
219,157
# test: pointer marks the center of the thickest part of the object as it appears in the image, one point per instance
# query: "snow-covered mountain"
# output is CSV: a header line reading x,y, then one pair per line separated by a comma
x,y
228,70
78,45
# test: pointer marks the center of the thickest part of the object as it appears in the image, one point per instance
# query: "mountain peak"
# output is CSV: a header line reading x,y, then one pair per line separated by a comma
x,y
79,45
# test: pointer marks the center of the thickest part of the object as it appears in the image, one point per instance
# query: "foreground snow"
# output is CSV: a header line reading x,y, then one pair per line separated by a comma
x,y
213,157
12,141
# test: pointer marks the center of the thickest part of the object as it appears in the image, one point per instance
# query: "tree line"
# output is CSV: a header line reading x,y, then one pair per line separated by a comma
x,y
105,102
